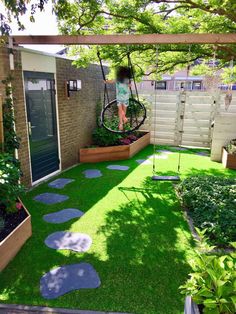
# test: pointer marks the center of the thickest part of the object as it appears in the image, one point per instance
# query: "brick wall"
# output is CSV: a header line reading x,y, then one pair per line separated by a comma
x,y
19,107
77,115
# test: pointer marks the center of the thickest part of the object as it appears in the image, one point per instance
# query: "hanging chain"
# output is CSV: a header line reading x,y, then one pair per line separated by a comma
x,y
105,94
155,115
183,112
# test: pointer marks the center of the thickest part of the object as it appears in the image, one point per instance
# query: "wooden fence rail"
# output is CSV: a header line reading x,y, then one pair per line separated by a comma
x,y
193,114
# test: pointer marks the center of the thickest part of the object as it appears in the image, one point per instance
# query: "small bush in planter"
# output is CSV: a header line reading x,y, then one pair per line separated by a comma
x,y
231,147
212,283
211,202
10,189
102,137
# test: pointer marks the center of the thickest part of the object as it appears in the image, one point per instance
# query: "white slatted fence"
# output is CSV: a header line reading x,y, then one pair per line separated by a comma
x,y
192,111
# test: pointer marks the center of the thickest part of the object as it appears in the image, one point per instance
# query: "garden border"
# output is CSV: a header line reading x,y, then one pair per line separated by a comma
x,y
11,245
28,309
120,152
193,230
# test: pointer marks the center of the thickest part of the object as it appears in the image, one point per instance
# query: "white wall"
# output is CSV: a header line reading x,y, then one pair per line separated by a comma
x,y
224,131
38,62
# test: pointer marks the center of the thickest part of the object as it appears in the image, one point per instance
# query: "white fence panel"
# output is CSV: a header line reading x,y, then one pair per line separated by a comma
x,y
184,117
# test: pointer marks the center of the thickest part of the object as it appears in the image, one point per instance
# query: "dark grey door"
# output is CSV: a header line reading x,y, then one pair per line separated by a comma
x,y
42,123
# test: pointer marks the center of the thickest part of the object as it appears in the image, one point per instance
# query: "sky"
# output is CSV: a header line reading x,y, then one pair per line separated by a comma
x,y
45,24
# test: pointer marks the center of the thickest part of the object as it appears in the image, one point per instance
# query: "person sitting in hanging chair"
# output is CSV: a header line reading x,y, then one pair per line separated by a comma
x,y
123,77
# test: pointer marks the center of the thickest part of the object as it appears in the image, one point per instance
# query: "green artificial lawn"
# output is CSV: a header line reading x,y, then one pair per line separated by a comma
x,y
141,242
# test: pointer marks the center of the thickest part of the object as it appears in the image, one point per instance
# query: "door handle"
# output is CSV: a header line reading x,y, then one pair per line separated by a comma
x,y
30,127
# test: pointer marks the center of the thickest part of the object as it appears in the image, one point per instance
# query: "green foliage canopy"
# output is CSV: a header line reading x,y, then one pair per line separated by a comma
x,y
145,17
141,17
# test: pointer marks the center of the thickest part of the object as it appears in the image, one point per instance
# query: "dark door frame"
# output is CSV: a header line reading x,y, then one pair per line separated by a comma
x,y
44,75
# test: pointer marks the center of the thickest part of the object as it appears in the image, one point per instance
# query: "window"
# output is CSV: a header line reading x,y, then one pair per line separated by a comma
x,y
160,85
197,85
183,85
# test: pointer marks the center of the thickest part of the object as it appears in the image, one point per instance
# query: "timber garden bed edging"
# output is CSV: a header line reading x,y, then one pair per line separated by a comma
x,y
120,152
228,160
11,245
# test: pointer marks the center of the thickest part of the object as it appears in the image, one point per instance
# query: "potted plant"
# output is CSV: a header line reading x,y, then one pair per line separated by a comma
x,y
15,221
229,155
211,286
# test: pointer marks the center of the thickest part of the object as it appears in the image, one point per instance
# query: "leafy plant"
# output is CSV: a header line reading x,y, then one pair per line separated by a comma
x,y
231,147
103,137
213,283
11,140
211,202
10,189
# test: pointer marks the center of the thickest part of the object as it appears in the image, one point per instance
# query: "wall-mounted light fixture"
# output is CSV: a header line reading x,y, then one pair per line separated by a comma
x,y
72,86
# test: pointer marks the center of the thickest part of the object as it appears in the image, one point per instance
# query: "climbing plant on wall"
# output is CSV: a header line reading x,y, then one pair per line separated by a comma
x,y
11,140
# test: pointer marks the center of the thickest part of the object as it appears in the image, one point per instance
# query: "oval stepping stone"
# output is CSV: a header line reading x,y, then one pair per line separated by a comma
x,y
118,167
50,198
60,183
63,215
159,156
63,240
163,151
179,148
202,154
143,161
64,279
92,173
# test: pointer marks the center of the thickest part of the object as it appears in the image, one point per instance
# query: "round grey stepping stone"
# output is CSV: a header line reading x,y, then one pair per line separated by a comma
x,y
50,198
158,156
143,161
163,151
64,240
60,183
92,173
67,278
179,148
202,154
118,167
63,215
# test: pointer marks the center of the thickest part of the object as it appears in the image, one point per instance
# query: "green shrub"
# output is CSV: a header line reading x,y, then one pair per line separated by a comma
x,y
211,202
103,137
10,189
212,283
11,140
231,147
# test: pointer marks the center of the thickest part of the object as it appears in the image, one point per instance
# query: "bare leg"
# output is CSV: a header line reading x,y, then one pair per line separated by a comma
x,y
125,120
120,113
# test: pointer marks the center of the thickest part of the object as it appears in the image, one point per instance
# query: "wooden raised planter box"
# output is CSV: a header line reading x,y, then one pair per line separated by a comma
x,y
11,245
110,153
228,160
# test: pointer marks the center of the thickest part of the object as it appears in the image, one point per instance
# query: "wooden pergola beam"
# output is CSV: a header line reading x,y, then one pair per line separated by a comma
x,y
133,39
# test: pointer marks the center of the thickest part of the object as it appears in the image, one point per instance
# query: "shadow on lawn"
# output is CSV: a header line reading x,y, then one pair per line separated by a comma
x,y
146,239
147,242
211,172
